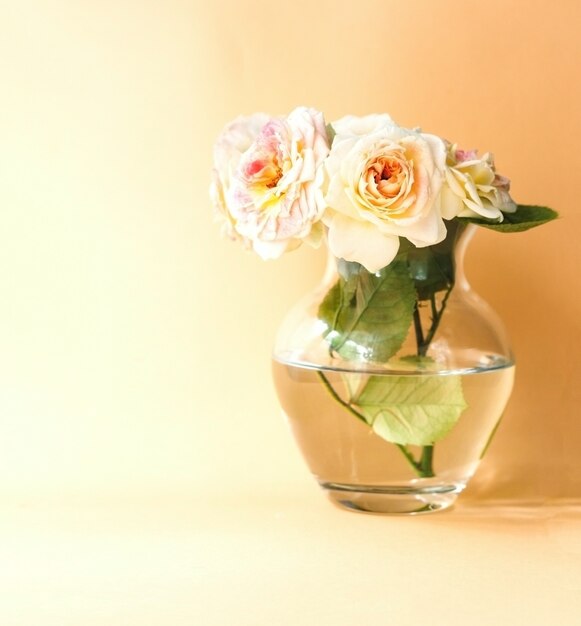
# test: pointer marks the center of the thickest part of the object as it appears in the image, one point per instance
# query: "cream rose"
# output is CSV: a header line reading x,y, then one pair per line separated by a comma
x,y
472,188
383,182
268,178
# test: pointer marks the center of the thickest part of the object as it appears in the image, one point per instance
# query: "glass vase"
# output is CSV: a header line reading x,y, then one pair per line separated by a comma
x,y
393,382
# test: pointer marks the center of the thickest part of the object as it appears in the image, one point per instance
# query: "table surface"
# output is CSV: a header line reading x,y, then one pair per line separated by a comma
x,y
265,558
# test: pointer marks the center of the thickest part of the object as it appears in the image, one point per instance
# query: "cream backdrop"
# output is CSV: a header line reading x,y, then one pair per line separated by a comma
x,y
135,343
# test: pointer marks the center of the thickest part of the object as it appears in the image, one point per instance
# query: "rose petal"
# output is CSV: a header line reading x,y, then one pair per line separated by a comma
x,y
270,249
353,240
352,125
427,232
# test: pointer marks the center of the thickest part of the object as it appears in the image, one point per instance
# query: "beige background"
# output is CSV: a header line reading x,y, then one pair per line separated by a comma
x,y
135,343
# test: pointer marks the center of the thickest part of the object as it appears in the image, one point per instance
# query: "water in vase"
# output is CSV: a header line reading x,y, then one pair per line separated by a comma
x,y
344,452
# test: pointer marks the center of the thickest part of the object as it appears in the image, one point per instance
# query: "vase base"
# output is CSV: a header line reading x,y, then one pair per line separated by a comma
x,y
393,500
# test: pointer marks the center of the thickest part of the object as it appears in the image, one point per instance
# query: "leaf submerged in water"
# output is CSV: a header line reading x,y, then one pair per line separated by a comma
x,y
415,410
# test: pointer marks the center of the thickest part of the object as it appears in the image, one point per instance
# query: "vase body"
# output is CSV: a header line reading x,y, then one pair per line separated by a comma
x,y
394,382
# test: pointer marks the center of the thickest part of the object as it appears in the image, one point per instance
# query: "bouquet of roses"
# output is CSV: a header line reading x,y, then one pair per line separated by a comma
x,y
390,203
364,182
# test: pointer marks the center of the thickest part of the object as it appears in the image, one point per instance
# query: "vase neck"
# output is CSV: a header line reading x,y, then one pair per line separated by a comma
x,y
443,261
463,238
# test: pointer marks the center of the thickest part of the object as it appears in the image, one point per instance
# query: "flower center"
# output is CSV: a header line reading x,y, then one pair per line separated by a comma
x,y
388,176
263,171
276,176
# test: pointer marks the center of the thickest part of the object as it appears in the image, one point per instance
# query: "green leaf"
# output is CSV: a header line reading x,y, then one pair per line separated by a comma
x,y
431,271
368,315
525,217
416,410
330,133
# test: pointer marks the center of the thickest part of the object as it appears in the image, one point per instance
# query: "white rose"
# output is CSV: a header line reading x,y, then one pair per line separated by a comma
x,y
270,182
383,183
353,125
472,188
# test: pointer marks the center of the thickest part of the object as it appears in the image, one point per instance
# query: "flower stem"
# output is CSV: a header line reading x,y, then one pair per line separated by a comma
x,y
340,400
426,461
421,470
437,316
420,342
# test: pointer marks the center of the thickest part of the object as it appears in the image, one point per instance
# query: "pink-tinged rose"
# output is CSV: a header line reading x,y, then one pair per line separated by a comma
x,y
472,188
233,142
465,155
271,188
383,182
